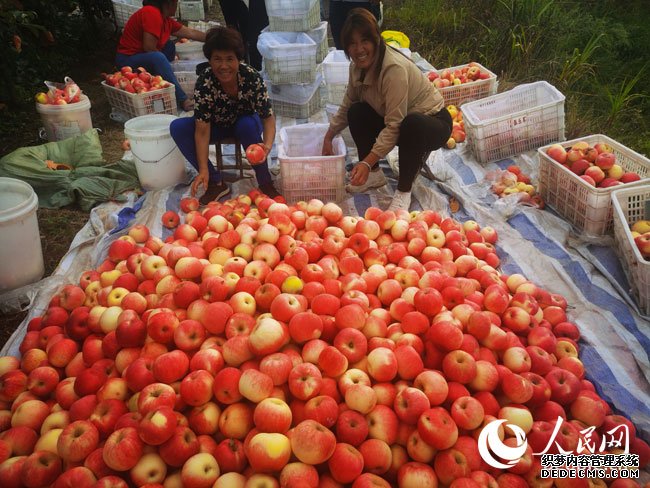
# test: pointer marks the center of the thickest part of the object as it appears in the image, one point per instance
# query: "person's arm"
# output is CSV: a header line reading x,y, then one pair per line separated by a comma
x,y
149,42
202,142
268,134
195,35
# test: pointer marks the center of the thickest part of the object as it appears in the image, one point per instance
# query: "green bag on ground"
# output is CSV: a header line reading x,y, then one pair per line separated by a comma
x,y
89,182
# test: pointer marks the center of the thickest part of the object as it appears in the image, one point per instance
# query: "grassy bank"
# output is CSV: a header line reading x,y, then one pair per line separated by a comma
x,y
595,52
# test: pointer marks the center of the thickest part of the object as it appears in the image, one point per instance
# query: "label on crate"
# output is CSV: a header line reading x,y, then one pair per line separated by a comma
x,y
518,121
158,105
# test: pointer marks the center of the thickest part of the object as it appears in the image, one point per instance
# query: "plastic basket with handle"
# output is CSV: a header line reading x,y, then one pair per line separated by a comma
x,y
471,90
293,15
631,205
289,57
588,208
191,9
131,105
124,9
190,50
305,173
298,101
515,121
336,67
187,80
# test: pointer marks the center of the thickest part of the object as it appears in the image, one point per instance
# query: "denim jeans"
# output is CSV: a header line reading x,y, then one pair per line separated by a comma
x,y
247,128
156,63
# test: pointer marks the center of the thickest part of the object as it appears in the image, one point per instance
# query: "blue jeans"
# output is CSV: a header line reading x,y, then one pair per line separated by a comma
x,y
247,128
156,63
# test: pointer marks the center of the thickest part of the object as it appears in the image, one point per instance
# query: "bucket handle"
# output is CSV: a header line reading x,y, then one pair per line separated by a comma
x,y
153,162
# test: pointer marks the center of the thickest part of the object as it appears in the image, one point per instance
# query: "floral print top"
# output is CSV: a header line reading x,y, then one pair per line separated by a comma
x,y
212,104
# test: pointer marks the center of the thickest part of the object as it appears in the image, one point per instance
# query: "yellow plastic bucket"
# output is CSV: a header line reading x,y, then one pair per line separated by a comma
x,y
396,38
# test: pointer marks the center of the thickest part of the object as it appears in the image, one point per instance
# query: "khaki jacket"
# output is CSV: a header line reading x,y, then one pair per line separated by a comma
x,y
399,89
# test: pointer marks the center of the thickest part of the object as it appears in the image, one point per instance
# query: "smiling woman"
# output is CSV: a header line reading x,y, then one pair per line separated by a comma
x,y
389,102
230,101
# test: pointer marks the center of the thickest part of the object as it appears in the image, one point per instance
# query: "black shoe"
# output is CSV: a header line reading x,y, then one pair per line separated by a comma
x,y
269,190
215,192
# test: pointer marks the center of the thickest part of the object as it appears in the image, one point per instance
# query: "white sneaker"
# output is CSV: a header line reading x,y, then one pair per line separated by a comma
x,y
401,200
376,179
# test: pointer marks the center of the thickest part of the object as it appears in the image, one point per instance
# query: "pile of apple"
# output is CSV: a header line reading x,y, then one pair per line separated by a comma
x,y
595,165
270,345
135,82
71,93
467,74
641,235
515,181
458,127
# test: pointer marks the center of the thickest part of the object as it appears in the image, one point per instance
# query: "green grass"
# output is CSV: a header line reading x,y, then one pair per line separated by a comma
x,y
593,51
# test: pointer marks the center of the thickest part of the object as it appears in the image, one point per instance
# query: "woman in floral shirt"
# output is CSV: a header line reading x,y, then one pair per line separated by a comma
x,y
230,100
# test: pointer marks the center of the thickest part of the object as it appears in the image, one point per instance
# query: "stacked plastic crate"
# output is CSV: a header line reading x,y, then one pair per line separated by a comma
x,y
336,69
292,47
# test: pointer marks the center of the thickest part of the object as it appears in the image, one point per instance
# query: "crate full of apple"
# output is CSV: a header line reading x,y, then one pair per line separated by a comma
x,y
460,84
135,93
576,179
632,235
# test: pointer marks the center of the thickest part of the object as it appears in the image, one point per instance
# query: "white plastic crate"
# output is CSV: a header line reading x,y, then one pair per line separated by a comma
x,y
334,92
305,173
336,67
191,9
202,25
186,64
299,101
472,90
630,205
293,15
289,57
588,208
131,105
190,50
319,36
345,133
187,80
123,9
515,121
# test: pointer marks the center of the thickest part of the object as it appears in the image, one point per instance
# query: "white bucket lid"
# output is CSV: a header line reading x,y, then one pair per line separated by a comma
x,y
148,126
17,199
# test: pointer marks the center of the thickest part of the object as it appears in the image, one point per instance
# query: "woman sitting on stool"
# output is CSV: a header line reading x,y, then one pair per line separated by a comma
x,y
389,102
230,100
145,42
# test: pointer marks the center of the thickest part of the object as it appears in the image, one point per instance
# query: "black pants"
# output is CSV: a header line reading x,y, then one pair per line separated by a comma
x,y
257,20
235,14
339,12
419,134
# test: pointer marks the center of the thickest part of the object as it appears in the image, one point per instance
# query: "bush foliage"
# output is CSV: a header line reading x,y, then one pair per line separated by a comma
x,y
594,51
42,39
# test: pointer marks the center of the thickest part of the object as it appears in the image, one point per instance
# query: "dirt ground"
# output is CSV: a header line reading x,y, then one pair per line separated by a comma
x,y
58,227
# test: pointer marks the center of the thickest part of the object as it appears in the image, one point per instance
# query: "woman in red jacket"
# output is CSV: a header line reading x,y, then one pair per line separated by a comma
x,y
145,42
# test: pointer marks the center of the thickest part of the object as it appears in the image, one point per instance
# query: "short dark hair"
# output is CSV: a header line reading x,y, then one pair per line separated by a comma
x,y
362,21
223,39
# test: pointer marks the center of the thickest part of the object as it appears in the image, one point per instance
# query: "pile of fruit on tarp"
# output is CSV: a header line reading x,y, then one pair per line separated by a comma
x,y
276,345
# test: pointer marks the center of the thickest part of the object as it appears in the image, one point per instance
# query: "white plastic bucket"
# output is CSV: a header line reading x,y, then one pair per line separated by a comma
x,y
158,160
64,121
21,255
